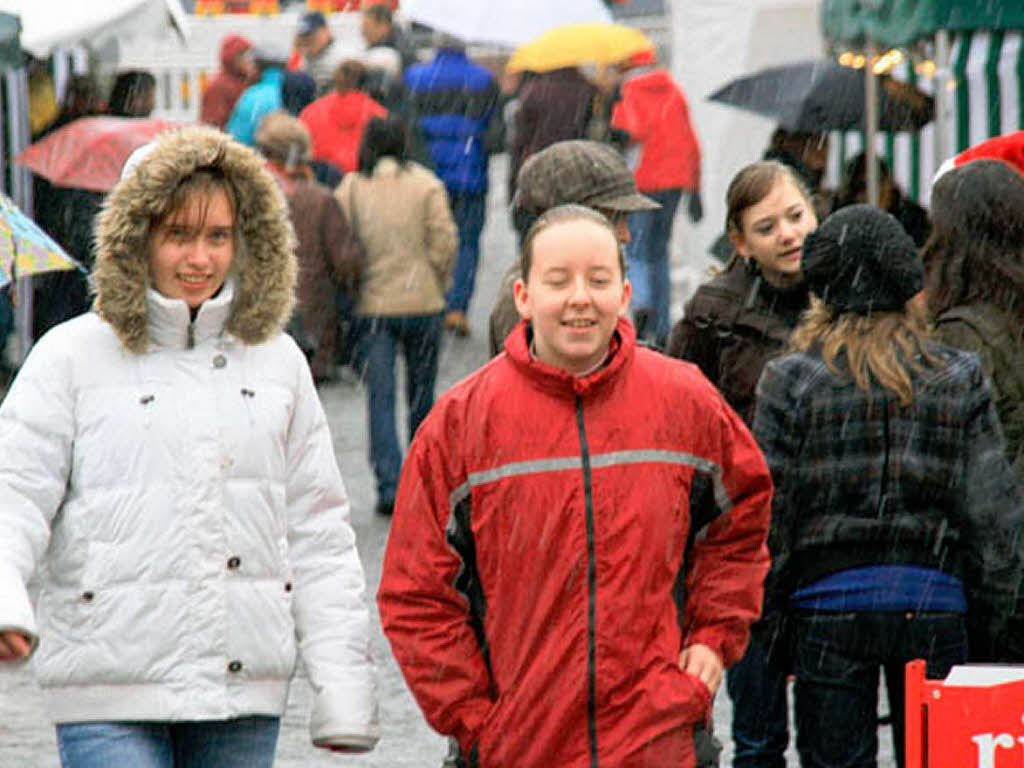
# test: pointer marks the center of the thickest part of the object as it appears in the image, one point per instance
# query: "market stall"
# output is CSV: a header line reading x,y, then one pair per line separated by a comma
x,y
970,56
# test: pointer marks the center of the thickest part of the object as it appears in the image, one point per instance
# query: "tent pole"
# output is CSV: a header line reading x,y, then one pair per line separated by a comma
x,y
943,98
871,122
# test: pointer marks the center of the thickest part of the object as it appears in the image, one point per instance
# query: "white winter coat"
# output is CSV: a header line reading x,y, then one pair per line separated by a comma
x,y
189,522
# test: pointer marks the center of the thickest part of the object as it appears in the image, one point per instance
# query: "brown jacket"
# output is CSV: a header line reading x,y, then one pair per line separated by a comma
x,y
504,315
402,218
733,326
554,106
329,259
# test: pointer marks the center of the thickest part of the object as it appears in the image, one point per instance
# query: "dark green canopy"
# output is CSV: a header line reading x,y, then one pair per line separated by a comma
x,y
897,23
10,48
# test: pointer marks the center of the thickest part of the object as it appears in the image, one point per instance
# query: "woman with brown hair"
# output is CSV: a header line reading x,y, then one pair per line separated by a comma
x,y
896,521
975,282
743,317
399,211
167,471
733,325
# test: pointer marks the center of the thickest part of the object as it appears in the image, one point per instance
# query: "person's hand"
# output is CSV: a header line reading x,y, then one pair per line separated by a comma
x,y
14,646
702,662
695,208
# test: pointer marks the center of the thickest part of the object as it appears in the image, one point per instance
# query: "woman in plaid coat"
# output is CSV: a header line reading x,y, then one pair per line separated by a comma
x,y
896,523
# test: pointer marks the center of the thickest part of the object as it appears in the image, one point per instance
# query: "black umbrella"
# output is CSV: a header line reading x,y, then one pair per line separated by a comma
x,y
816,96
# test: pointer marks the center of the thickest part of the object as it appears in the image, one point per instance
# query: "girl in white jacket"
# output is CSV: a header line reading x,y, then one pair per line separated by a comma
x,y
166,466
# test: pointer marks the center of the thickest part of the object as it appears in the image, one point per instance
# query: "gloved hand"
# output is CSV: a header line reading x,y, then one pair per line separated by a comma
x,y
695,208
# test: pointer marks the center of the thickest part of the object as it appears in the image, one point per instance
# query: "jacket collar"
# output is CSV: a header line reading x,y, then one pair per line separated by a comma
x,y
169,320
386,166
560,382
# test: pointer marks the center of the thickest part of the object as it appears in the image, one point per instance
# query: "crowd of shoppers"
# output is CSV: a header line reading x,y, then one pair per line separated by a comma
x,y
832,443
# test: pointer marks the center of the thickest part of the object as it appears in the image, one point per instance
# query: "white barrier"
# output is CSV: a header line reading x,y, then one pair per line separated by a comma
x,y
182,71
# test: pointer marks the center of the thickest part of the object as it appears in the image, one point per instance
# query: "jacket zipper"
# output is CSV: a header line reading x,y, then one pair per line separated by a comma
x,y
591,588
190,342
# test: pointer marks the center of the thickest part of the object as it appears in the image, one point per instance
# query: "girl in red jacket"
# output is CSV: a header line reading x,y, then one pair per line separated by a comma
x,y
578,544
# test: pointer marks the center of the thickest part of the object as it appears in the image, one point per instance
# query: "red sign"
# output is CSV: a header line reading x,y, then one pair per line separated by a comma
x,y
964,726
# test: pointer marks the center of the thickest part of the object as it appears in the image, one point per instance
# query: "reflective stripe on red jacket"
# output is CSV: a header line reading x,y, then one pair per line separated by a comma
x,y
538,545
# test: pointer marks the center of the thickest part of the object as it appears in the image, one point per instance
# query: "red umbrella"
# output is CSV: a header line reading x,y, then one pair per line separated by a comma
x,y
90,152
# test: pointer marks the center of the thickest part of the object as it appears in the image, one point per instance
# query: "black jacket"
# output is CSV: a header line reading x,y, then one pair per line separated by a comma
x,y
861,480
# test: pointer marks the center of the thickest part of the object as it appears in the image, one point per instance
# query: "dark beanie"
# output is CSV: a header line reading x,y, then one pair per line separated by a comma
x,y
861,260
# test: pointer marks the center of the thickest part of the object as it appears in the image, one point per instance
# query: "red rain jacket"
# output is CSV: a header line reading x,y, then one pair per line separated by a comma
x,y
653,111
336,123
537,547
223,91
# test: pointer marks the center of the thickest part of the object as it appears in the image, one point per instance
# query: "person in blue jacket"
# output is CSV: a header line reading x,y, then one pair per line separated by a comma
x,y
455,101
260,99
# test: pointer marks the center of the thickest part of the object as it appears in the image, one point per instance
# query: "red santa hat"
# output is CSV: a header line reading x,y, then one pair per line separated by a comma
x,y
1008,148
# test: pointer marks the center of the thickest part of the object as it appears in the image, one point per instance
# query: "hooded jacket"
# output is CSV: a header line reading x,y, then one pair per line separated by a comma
x,y
225,88
336,123
456,101
175,484
653,111
256,102
537,594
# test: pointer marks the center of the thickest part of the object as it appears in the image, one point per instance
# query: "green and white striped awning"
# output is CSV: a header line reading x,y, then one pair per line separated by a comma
x,y
988,100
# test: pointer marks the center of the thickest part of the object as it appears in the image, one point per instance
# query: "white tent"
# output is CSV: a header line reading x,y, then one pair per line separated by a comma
x,y
503,23
48,24
713,42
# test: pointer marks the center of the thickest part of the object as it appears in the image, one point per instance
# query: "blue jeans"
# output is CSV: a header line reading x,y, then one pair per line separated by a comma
x,y
838,656
760,711
379,338
649,236
245,742
469,211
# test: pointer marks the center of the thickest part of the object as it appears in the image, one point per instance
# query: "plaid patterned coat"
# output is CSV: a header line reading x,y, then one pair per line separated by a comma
x,y
861,480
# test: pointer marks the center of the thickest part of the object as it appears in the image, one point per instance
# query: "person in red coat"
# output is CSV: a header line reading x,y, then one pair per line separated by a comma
x,y
238,71
337,120
665,156
578,542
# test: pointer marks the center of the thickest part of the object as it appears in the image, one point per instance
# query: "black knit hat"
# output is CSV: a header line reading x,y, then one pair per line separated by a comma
x,y
861,260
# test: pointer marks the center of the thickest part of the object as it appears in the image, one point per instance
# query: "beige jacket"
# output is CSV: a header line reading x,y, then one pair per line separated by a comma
x,y
402,218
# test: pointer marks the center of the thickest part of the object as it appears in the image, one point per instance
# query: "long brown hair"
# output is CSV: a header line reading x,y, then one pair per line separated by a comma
x,y
888,347
976,249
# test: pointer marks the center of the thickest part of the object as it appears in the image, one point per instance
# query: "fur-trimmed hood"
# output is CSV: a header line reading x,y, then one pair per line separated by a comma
x,y
264,262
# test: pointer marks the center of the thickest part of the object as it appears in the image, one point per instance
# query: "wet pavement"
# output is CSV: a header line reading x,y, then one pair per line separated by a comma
x,y
26,736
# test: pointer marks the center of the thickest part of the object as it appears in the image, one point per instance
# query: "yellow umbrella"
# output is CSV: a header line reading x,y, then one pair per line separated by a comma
x,y
576,44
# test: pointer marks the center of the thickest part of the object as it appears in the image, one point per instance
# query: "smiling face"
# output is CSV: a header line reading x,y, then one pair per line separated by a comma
x,y
772,231
193,248
573,294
